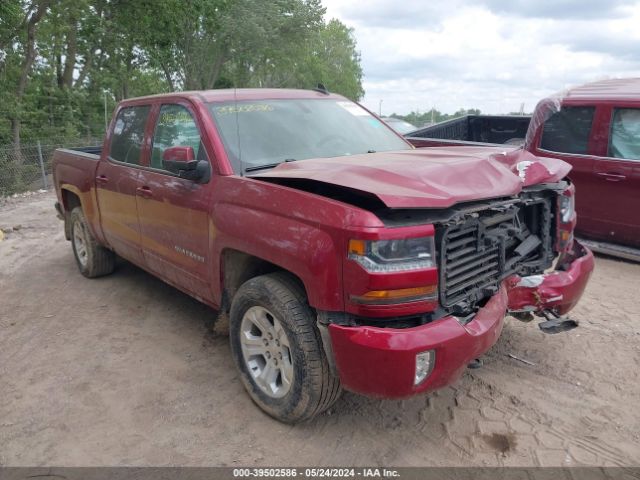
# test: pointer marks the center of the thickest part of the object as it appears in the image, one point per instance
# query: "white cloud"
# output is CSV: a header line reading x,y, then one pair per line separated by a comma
x,y
481,54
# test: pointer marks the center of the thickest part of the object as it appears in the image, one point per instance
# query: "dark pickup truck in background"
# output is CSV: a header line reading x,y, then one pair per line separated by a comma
x,y
595,128
490,129
344,257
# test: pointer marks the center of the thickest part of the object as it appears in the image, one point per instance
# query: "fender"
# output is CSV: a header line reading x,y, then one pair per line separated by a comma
x,y
79,181
88,204
315,259
300,232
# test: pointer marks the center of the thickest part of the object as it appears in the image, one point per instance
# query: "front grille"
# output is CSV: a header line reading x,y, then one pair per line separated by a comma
x,y
478,252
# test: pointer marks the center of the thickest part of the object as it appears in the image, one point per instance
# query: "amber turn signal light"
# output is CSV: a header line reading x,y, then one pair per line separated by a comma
x,y
357,247
385,297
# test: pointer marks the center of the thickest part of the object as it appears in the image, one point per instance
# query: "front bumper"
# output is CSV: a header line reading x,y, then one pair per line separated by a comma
x,y
559,290
381,361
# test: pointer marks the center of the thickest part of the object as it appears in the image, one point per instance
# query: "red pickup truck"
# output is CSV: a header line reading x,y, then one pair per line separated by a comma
x,y
344,257
596,129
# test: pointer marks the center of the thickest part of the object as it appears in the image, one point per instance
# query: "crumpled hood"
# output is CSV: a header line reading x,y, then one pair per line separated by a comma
x,y
429,177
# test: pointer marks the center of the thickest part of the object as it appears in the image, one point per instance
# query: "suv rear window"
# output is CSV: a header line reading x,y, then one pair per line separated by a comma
x,y
567,130
128,134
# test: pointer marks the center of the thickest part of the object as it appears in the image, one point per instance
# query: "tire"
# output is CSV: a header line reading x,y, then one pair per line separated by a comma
x,y
311,387
93,260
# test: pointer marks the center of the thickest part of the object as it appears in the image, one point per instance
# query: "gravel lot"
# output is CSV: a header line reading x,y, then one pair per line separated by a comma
x,y
123,370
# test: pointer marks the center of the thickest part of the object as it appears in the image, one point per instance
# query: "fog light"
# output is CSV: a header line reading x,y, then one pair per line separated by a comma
x,y
424,365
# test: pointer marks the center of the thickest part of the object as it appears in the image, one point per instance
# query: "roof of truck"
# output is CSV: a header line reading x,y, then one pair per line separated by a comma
x,y
614,89
229,94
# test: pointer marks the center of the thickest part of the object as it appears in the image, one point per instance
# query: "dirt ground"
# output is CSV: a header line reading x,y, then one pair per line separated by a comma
x,y
123,371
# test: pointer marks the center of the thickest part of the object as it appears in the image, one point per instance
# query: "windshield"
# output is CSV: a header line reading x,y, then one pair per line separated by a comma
x,y
269,132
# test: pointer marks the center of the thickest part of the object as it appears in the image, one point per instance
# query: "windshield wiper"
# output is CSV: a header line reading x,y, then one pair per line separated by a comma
x,y
254,168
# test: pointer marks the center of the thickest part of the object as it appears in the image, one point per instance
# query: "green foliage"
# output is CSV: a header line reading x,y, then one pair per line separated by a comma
x,y
11,15
88,52
327,55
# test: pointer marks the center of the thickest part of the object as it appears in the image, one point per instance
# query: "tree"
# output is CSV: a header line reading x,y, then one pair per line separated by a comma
x,y
60,61
328,56
35,13
12,20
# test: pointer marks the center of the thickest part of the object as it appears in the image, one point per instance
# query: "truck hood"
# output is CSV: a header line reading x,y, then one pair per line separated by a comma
x,y
430,177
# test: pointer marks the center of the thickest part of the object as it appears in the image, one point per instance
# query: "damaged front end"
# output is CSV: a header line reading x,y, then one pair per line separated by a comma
x,y
557,291
511,255
480,249
525,244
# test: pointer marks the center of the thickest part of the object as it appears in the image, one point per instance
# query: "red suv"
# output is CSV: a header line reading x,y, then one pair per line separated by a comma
x,y
596,128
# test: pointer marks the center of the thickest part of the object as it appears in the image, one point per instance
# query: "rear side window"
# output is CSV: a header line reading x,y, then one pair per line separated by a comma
x,y
624,141
176,128
128,134
567,130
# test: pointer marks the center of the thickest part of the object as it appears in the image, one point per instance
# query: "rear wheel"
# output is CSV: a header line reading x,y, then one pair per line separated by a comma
x,y
278,350
93,259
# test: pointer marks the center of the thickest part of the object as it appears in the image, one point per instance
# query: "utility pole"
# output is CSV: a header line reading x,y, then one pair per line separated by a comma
x,y
380,108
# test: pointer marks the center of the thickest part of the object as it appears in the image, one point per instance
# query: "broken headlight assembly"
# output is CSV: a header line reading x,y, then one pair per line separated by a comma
x,y
385,256
567,206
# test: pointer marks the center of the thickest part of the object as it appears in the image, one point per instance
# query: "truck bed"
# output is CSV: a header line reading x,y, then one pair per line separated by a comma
x,y
88,152
474,129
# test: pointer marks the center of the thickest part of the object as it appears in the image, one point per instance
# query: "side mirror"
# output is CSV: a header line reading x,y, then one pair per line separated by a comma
x,y
175,159
182,161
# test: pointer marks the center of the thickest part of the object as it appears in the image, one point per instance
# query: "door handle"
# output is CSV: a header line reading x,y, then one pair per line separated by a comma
x,y
102,179
144,192
612,177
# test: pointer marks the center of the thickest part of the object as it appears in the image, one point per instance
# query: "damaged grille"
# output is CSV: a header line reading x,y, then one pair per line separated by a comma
x,y
479,250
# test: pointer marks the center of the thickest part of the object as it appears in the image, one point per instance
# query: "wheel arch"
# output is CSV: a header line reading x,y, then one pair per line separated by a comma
x,y
239,267
70,200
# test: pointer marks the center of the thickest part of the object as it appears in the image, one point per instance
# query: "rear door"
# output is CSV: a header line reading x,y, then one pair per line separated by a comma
x,y
117,181
567,135
173,211
617,177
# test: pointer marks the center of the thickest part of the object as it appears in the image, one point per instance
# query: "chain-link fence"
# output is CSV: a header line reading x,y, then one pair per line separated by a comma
x,y
27,167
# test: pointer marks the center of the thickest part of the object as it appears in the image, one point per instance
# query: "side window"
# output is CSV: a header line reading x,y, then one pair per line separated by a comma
x,y
176,127
128,134
624,141
567,131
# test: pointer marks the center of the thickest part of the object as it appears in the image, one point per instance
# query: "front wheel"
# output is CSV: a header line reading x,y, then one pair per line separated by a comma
x,y
278,351
93,259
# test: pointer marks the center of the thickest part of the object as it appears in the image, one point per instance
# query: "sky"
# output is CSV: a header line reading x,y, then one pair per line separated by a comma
x,y
488,54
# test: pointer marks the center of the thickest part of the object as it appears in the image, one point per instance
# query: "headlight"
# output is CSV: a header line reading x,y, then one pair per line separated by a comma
x,y
393,255
567,207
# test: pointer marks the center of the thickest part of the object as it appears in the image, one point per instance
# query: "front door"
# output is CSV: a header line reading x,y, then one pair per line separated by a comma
x,y
174,212
117,179
616,179
566,135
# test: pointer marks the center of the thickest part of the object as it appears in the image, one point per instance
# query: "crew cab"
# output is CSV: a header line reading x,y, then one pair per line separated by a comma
x,y
343,256
596,129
